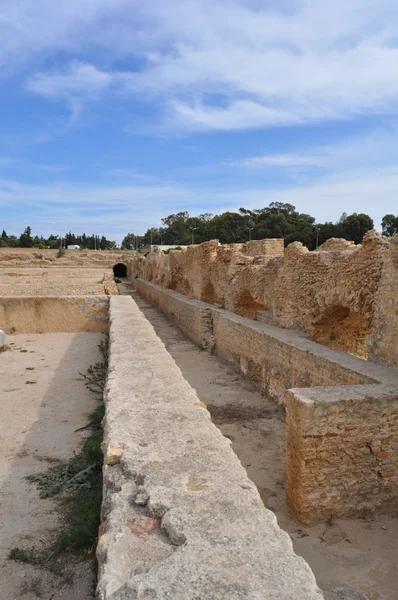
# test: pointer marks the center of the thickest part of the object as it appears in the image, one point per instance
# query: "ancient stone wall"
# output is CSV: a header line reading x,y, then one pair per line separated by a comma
x,y
384,341
342,451
46,315
330,293
56,281
180,518
31,258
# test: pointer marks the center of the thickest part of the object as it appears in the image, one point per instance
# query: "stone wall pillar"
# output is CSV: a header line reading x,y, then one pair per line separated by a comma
x,y
383,345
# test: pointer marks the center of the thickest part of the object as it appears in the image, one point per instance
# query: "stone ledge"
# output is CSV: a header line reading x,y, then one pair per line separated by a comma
x,y
46,314
181,519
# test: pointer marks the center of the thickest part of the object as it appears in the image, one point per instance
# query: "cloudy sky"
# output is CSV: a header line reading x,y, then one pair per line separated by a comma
x,y
115,114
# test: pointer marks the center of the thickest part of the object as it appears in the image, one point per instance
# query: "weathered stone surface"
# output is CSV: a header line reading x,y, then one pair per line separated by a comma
x,y
383,344
203,532
342,450
332,294
49,314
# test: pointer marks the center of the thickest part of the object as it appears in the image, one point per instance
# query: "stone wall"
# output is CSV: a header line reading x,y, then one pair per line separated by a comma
x,y
180,518
331,293
46,315
342,450
384,341
56,281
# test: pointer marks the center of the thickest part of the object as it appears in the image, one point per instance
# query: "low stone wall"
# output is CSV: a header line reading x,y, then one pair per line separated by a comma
x,y
46,315
345,403
191,316
56,282
277,358
180,518
342,451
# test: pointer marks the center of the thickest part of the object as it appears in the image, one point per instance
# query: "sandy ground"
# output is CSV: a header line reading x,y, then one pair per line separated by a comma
x,y
352,559
38,427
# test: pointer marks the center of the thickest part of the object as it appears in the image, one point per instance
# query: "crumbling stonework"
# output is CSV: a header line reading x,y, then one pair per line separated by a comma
x,y
330,294
180,518
45,315
384,341
341,411
342,451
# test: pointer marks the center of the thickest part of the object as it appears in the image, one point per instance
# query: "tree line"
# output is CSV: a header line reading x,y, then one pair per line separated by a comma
x,y
278,220
26,240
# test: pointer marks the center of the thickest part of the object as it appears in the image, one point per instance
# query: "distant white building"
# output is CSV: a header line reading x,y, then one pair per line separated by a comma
x,y
74,247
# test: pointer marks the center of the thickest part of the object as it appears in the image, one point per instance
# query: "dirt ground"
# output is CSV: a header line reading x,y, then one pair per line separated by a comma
x,y
352,559
44,400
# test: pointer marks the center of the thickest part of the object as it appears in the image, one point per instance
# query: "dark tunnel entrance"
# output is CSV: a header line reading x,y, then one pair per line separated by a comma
x,y
120,270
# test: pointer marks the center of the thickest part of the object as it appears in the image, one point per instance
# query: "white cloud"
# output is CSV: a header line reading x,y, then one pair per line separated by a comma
x,y
80,83
371,150
280,160
115,209
216,64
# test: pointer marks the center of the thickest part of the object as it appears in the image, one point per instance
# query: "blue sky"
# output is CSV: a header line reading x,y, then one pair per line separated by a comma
x,y
115,114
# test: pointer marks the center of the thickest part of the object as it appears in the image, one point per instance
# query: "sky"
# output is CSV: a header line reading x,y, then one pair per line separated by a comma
x,y
116,114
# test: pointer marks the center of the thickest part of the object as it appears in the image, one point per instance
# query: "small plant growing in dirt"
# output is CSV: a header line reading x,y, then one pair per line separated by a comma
x,y
95,377
61,252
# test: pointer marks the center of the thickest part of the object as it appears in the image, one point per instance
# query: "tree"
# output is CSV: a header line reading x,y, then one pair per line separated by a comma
x,y
129,241
389,225
25,239
355,226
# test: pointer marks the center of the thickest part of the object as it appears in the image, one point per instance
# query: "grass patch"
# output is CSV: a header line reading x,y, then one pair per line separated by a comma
x,y
78,483
28,555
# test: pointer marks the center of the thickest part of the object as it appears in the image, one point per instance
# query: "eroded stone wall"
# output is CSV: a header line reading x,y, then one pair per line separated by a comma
x,y
341,412
384,341
46,315
342,451
331,294
180,518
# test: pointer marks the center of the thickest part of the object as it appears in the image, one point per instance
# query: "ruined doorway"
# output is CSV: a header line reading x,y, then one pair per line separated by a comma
x,y
120,270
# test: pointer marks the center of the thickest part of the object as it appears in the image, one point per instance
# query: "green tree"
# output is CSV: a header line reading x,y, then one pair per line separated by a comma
x,y
389,225
25,239
129,241
355,226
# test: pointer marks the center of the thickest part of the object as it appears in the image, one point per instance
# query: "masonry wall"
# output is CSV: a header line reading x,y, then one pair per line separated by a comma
x,y
331,294
45,315
342,451
341,445
384,341
180,518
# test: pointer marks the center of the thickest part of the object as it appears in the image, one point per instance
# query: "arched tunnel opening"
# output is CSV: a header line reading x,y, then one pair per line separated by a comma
x,y
120,270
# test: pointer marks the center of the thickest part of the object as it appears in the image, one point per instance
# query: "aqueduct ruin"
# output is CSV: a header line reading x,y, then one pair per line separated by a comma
x,y
316,331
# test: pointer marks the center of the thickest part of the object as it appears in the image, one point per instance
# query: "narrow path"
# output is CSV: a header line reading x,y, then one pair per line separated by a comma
x,y
44,400
352,559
